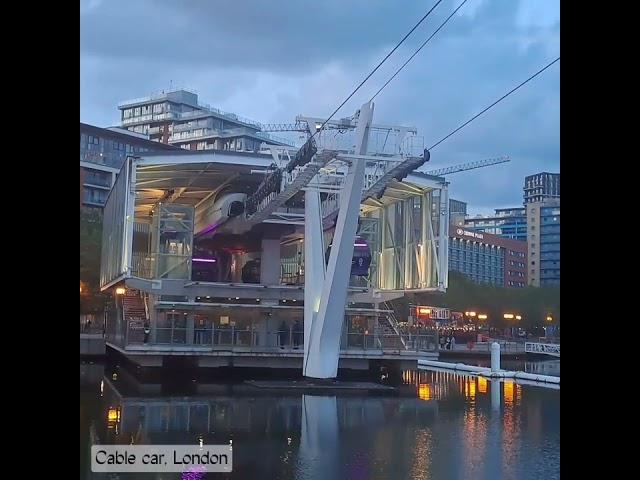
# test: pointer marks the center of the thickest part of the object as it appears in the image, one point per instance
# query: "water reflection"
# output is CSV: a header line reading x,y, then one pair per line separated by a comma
x,y
442,425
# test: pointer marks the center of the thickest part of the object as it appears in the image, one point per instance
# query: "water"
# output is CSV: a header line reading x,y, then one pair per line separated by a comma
x,y
439,425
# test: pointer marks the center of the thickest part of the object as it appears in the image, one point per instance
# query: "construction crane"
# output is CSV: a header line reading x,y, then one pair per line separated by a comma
x,y
468,166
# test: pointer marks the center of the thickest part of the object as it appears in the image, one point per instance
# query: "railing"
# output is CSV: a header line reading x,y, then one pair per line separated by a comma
x,y
91,323
506,346
264,341
167,265
393,322
546,348
143,265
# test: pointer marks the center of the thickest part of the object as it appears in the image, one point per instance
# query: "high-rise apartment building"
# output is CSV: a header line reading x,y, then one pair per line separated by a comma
x,y
541,186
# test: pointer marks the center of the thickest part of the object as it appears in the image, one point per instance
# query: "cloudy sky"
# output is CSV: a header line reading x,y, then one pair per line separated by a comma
x,y
272,60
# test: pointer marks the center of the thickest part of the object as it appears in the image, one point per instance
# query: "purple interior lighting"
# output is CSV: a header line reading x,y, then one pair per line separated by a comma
x,y
206,260
209,229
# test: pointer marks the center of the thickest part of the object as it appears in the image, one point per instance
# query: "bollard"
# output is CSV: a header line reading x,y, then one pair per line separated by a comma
x,y
495,357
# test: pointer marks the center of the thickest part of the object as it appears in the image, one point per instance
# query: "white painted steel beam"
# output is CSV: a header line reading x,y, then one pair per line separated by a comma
x,y
323,349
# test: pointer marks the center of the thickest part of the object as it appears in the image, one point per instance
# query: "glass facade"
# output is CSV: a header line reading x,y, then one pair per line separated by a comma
x,y
113,261
407,237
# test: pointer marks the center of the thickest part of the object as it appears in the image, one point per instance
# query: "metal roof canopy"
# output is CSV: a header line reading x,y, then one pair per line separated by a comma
x,y
194,176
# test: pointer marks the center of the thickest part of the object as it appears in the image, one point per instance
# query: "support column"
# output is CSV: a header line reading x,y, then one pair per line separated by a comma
x,y
314,266
270,261
443,240
324,348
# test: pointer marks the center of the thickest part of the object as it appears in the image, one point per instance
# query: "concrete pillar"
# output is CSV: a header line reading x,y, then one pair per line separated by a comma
x,y
270,261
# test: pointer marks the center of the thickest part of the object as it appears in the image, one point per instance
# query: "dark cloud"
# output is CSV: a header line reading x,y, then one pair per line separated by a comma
x,y
273,60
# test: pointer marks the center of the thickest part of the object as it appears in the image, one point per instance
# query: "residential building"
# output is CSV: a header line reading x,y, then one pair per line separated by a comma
x,y
541,186
177,118
102,154
506,223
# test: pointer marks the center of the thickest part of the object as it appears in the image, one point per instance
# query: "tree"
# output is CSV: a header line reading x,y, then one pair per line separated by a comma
x,y
91,301
462,295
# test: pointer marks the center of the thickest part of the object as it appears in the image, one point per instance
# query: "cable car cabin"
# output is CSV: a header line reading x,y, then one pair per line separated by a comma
x,y
361,260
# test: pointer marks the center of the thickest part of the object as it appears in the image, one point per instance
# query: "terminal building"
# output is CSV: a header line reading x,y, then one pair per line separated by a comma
x,y
207,253
487,258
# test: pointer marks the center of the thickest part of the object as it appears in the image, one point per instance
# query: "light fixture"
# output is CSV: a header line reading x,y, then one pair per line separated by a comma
x,y
112,415
120,291
508,316
204,260
518,317
482,316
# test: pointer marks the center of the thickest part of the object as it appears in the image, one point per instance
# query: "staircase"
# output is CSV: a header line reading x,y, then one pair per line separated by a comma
x,y
135,315
390,328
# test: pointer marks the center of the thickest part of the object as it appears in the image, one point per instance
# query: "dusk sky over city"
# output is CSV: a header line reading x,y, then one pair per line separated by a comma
x,y
271,61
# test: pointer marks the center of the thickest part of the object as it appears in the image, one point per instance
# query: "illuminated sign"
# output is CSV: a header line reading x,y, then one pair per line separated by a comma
x,y
434,313
467,233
